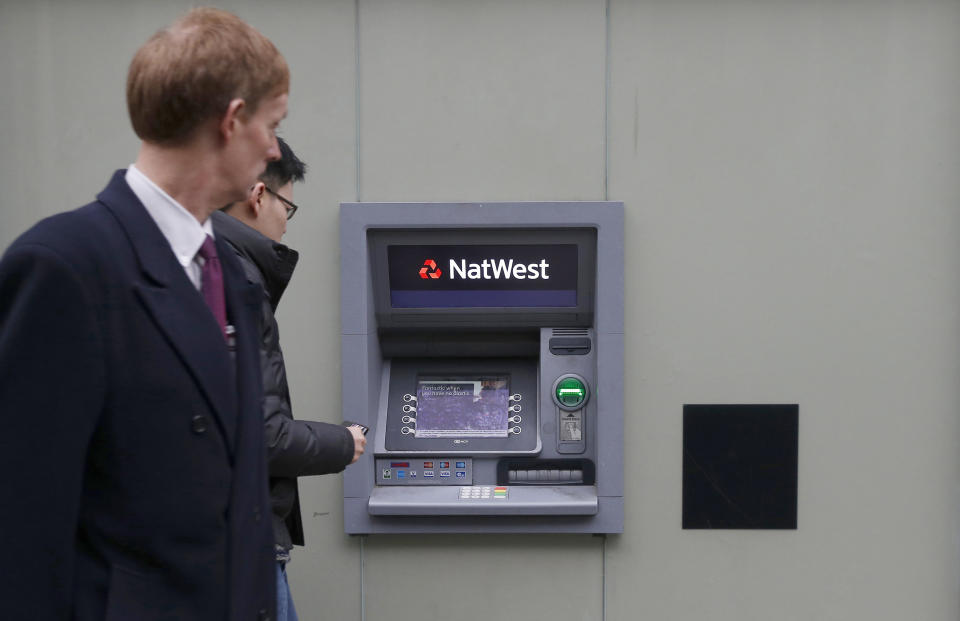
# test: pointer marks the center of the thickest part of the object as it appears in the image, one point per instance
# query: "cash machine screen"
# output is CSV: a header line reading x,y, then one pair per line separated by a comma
x,y
463,407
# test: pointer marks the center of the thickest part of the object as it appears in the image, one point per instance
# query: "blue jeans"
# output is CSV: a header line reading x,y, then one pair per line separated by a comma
x,y
285,609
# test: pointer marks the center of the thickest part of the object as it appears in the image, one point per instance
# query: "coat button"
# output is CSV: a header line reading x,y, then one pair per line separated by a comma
x,y
263,616
256,514
199,424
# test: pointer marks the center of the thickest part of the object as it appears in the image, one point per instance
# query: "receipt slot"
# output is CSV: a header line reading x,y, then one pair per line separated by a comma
x,y
482,344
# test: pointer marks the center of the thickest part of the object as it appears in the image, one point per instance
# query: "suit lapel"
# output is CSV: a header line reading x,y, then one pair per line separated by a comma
x,y
176,307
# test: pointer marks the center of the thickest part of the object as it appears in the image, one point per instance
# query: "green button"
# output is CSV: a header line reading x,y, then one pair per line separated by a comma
x,y
571,392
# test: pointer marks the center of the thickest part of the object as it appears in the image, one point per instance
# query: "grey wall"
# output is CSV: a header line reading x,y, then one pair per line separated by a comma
x,y
790,175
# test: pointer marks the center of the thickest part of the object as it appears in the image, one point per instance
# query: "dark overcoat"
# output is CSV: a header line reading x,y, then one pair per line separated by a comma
x,y
133,480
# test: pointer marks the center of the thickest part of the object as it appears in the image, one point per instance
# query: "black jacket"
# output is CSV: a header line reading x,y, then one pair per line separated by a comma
x,y
294,447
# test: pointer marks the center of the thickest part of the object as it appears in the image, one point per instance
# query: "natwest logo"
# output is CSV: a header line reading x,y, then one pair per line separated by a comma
x,y
429,270
496,269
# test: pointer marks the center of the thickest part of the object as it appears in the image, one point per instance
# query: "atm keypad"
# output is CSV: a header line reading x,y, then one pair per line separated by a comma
x,y
484,492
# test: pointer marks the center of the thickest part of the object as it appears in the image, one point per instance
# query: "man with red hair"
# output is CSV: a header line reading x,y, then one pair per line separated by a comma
x,y
133,478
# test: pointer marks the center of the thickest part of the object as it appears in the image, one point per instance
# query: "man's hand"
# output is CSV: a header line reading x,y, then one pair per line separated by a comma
x,y
359,442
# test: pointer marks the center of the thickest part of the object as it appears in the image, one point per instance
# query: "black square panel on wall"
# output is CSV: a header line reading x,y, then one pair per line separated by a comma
x,y
740,466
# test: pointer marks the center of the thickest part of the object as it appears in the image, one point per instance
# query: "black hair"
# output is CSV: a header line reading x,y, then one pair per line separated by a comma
x,y
288,168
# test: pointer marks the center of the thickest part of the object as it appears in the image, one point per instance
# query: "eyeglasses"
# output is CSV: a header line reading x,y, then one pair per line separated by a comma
x,y
291,208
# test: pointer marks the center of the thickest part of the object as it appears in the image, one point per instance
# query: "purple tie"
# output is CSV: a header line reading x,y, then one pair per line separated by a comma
x,y
211,283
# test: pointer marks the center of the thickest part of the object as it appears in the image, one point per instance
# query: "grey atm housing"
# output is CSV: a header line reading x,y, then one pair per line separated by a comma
x,y
549,479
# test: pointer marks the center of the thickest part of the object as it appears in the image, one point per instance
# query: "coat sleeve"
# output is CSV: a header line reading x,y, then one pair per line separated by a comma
x,y
304,447
296,447
51,394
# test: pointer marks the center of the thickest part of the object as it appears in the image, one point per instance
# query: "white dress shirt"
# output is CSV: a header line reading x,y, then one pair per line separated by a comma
x,y
184,234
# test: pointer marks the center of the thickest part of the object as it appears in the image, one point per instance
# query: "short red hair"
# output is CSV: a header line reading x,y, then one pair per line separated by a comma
x,y
189,72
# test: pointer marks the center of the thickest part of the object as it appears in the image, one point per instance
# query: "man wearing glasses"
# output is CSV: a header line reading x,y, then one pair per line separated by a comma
x,y
294,447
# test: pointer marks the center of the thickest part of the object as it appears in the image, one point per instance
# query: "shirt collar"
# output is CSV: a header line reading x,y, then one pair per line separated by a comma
x,y
181,229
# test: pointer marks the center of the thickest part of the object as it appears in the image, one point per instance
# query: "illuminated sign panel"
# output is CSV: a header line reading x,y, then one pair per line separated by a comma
x,y
484,276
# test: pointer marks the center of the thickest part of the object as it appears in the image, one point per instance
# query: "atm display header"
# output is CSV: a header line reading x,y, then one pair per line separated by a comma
x,y
478,276
519,277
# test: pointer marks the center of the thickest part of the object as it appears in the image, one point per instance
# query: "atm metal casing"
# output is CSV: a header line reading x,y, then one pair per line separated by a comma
x,y
557,470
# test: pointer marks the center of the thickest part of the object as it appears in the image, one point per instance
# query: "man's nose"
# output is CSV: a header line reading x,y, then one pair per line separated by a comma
x,y
274,153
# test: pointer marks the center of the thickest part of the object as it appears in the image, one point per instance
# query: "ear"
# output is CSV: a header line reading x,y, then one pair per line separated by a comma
x,y
233,115
255,198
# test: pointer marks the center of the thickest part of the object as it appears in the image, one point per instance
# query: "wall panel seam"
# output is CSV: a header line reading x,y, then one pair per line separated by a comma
x,y
356,94
606,102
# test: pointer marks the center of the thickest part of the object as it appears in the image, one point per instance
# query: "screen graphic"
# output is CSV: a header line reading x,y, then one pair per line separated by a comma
x,y
486,276
474,407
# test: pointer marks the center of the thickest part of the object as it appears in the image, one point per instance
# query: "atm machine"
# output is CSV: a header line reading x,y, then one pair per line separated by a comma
x,y
482,344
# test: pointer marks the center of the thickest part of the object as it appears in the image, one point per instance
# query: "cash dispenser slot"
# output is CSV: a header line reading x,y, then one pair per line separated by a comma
x,y
546,472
